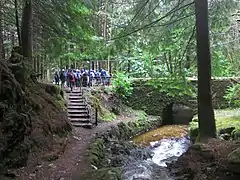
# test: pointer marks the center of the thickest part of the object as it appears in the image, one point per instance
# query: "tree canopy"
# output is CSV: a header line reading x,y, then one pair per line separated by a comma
x,y
150,38
147,38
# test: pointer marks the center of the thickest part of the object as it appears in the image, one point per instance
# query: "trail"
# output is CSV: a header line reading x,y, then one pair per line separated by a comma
x,y
73,162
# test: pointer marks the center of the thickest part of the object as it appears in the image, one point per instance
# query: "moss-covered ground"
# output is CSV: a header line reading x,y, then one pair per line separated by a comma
x,y
224,119
103,174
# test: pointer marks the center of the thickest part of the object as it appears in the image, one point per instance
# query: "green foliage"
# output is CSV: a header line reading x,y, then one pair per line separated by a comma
x,y
103,113
173,87
122,85
221,66
233,95
142,116
106,115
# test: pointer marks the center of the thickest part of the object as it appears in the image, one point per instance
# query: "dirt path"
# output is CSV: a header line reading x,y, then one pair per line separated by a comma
x,y
73,162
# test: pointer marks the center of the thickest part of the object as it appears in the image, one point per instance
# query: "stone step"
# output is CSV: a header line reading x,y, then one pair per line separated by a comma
x,y
76,104
78,115
83,107
76,91
76,94
78,120
76,101
73,98
77,111
84,125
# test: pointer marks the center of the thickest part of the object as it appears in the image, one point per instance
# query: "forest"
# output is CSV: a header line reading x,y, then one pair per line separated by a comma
x,y
170,109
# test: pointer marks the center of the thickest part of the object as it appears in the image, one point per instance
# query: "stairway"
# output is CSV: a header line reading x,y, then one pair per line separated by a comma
x,y
77,110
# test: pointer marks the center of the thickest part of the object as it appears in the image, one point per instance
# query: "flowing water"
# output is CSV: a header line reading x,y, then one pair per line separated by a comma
x,y
164,151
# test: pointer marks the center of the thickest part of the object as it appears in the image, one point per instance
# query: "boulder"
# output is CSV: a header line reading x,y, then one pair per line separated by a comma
x,y
182,114
228,130
225,136
167,115
236,134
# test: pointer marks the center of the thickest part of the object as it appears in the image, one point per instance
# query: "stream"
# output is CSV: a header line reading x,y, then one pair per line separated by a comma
x,y
164,151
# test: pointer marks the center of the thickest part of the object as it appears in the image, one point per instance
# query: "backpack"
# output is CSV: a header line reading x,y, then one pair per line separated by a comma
x,y
62,76
71,77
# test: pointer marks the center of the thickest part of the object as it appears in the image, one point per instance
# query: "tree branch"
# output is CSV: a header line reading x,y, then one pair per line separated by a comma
x,y
154,22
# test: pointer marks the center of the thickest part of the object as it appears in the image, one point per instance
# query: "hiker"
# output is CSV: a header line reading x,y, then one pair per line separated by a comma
x,y
67,77
103,76
62,78
78,78
108,78
71,79
56,78
98,78
91,77
75,77
84,79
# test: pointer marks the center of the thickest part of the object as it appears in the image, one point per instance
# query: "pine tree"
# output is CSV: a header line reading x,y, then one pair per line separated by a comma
x,y
207,126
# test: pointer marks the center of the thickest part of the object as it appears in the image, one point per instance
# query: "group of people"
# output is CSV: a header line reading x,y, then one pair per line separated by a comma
x,y
81,78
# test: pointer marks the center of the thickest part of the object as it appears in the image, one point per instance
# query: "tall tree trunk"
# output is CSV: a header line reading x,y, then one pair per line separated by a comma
x,y
61,63
26,30
206,121
2,53
110,68
93,67
17,23
38,64
12,38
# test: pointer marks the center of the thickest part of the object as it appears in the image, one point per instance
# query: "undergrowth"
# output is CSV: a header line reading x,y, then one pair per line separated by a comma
x,y
233,96
122,86
173,87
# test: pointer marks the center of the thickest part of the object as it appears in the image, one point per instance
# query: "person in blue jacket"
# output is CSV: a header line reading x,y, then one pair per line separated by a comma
x,y
103,76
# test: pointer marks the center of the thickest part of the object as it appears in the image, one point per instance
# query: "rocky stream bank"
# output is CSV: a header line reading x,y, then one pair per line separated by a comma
x,y
161,154
111,151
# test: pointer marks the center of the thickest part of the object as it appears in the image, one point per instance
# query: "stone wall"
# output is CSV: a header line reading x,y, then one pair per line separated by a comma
x,y
146,97
152,101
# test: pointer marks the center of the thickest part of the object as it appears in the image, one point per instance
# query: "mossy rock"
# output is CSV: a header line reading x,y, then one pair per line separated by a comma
x,y
144,124
134,126
193,133
114,133
104,174
115,110
53,89
96,152
235,134
125,131
234,161
108,116
234,157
